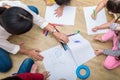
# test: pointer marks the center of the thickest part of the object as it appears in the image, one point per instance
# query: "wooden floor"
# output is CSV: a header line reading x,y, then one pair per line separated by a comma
x,y
35,39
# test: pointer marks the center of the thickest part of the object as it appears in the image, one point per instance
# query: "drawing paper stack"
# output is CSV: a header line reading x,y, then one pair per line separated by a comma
x,y
62,64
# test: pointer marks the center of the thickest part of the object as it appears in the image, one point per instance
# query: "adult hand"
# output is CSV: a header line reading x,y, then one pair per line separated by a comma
x,y
61,37
59,11
98,52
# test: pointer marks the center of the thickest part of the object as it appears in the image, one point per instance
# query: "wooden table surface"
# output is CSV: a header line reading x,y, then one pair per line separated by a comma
x,y
35,39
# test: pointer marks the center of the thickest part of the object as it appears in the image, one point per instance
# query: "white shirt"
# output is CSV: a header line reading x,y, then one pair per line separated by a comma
x,y
4,35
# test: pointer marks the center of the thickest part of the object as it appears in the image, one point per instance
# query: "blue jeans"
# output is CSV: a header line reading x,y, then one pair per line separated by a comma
x,y
26,66
5,61
34,9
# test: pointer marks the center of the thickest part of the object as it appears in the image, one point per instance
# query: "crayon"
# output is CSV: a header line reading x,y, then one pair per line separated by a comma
x,y
94,12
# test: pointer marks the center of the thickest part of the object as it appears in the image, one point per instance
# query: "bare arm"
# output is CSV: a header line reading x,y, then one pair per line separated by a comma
x,y
33,53
99,7
103,26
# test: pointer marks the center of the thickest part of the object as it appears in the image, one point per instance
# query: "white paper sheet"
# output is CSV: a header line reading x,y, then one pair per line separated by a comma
x,y
59,63
82,50
67,18
62,64
90,23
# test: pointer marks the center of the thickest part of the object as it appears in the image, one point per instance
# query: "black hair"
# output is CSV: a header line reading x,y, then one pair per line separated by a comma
x,y
2,9
113,6
16,20
62,2
12,78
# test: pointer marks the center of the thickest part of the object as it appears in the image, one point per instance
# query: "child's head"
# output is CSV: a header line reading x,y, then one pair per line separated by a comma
x,y
113,6
62,2
16,20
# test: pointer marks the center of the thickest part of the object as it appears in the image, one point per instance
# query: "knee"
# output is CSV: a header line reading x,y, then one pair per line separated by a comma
x,y
5,67
108,66
28,60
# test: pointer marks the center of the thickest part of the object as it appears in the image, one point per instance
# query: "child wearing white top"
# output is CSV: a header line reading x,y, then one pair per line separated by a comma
x,y
13,13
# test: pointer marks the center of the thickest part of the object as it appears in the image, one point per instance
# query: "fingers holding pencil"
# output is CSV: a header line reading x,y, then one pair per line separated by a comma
x,y
93,15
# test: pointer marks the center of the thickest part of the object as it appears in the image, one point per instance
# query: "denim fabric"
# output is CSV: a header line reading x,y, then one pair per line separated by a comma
x,y
5,61
26,66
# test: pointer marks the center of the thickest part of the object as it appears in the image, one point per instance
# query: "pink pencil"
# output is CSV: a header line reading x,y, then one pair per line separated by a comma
x,y
57,24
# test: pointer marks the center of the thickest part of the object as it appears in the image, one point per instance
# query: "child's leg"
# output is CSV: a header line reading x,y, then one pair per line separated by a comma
x,y
26,66
34,68
111,35
107,36
111,62
5,61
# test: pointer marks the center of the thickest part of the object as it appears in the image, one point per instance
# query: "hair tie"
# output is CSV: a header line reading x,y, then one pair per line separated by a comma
x,y
24,17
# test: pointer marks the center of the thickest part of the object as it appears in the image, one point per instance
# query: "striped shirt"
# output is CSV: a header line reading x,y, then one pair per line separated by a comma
x,y
109,51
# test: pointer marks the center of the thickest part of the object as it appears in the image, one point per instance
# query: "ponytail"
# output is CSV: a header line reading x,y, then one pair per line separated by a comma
x,y
2,9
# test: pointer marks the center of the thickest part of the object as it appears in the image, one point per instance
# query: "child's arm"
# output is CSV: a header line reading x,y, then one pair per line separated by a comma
x,y
14,49
115,26
33,53
111,52
99,7
103,26
108,52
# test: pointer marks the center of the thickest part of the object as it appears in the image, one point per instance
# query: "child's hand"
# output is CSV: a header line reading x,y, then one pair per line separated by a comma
x,y
59,11
61,37
34,53
46,74
98,52
93,16
95,29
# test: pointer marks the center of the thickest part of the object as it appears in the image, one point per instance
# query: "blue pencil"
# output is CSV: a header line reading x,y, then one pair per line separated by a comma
x,y
46,33
64,46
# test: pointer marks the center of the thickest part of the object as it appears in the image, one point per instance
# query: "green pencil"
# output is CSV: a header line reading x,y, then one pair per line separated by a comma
x,y
94,12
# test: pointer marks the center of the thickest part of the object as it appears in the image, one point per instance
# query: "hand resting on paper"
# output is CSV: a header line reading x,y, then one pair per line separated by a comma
x,y
59,11
93,17
95,29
